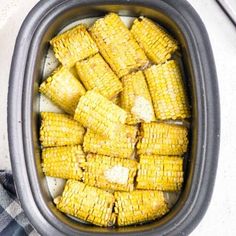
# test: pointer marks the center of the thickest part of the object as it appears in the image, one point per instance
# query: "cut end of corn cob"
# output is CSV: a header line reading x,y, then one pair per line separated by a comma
x,y
74,45
135,98
109,172
87,203
139,206
117,45
63,162
99,114
122,145
163,139
59,130
160,173
167,91
63,89
153,39
95,74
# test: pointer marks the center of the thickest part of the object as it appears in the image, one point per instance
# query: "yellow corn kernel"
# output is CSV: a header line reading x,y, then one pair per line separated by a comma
x,y
139,206
59,130
163,139
63,89
63,162
73,45
99,114
87,203
95,74
167,91
121,145
160,173
135,98
117,45
153,39
110,173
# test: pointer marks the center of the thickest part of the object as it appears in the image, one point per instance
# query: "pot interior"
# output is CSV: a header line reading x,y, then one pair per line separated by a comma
x,y
45,63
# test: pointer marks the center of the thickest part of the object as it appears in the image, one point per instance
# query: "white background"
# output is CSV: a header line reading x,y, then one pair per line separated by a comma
x,y
220,218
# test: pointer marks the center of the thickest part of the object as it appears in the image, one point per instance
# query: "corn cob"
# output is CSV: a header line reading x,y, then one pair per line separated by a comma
x,y
63,89
99,114
74,45
87,203
59,129
163,139
139,206
135,98
153,39
160,173
167,91
117,45
96,74
122,145
110,173
63,162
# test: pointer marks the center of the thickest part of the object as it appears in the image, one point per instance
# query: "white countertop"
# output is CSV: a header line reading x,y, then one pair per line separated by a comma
x,y
221,214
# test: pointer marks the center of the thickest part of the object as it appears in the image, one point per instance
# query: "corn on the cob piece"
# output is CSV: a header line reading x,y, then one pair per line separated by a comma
x,y
74,45
167,91
110,173
163,139
160,173
59,130
63,89
99,114
87,203
117,45
155,41
135,98
122,145
95,74
139,206
63,162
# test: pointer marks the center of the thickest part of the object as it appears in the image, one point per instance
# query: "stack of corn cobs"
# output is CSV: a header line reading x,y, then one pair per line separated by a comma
x,y
116,145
